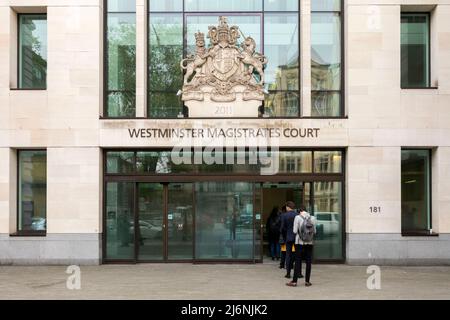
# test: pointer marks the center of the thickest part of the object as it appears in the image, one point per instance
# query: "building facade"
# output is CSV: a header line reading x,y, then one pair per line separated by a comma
x,y
95,137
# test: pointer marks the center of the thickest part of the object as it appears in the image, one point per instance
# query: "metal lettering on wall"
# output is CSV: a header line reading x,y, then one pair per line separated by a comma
x,y
213,133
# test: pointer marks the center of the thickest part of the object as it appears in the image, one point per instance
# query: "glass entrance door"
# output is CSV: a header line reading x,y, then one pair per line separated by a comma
x,y
165,215
151,219
180,221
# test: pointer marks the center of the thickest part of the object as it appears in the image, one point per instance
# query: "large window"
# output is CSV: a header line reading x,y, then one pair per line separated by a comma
x,y
120,84
415,50
32,191
416,191
273,24
32,51
326,58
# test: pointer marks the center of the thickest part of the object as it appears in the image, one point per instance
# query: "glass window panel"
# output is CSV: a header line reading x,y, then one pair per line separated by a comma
x,y
326,51
166,5
32,191
325,5
151,219
282,104
416,190
121,64
180,217
119,162
119,220
282,49
249,26
154,162
164,105
328,213
295,162
121,5
33,51
165,52
415,46
281,5
122,104
224,220
325,104
220,5
327,161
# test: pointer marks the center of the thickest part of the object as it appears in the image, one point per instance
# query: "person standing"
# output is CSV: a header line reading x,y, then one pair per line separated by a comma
x,y
287,227
282,240
305,228
273,233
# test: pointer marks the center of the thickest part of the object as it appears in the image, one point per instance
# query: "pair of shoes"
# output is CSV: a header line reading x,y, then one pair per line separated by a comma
x,y
291,284
308,284
281,267
273,258
288,276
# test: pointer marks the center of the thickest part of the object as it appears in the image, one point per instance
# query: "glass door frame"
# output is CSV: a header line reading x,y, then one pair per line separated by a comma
x,y
255,179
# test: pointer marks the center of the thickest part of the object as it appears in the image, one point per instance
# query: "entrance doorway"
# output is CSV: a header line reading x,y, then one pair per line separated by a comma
x,y
322,199
156,211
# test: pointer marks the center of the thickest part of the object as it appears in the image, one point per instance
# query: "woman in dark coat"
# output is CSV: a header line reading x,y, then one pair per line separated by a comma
x,y
273,233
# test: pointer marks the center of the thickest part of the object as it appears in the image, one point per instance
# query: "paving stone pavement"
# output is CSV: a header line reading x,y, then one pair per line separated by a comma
x,y
219,281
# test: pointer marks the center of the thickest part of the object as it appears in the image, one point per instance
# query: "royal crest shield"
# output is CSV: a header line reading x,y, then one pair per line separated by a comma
x,y
225,63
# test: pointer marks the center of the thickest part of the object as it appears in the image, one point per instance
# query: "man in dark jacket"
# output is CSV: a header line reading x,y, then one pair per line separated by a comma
x,y
287,227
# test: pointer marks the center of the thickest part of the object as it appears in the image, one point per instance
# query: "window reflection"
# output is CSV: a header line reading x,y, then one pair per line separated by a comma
x,y
121,37
327,161
326,51
325,103
416,188
282,104
281,46
220,5
328,213
415,45
120,162
165,5
32,191
281,5
119,220
33,51
224,220
326,59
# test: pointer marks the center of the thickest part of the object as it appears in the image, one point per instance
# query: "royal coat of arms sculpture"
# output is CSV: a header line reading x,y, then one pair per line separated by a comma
x,y
225,79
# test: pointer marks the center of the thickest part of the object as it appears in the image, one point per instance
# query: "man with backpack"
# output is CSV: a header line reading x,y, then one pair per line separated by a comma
x,y
304,229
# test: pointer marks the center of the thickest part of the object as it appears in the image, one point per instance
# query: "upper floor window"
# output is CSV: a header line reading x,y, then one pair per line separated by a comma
x,y
121,59
326,59
32,51
415,50
32,189
273,24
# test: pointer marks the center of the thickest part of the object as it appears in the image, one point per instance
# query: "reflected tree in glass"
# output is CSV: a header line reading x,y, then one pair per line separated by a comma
x,y
165,74
121,65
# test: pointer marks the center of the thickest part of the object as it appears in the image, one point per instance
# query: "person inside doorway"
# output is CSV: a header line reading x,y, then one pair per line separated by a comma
x,y
273,232
287,227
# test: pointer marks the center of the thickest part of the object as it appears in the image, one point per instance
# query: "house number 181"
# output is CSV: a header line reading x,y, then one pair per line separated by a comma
x,y
375,209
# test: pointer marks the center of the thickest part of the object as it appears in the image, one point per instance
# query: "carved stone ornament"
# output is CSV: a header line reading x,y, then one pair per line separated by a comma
x,y
224,72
